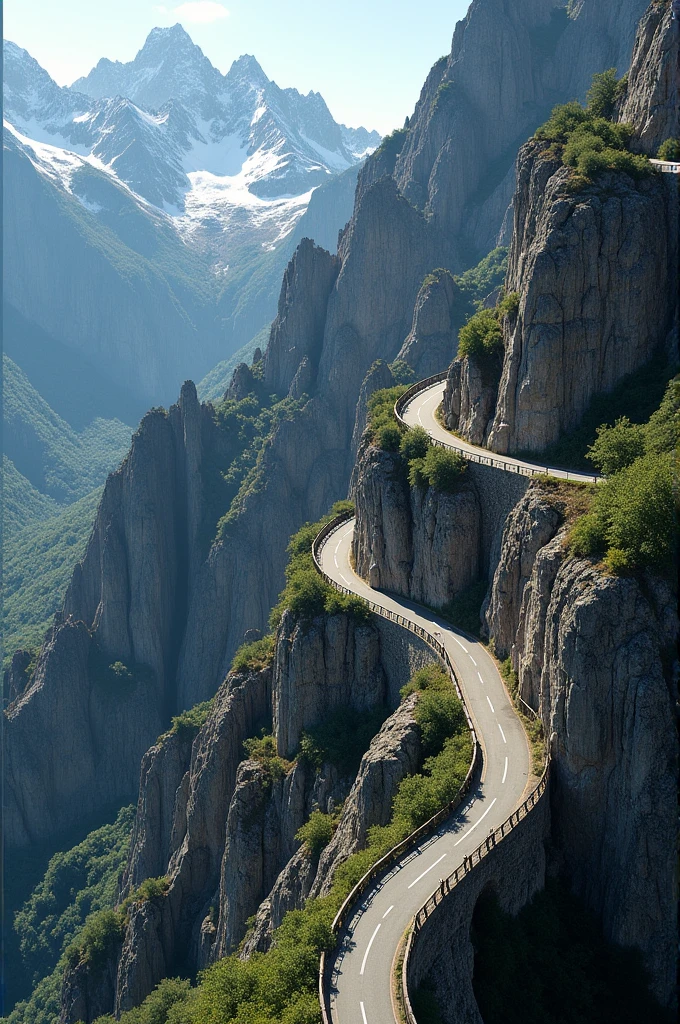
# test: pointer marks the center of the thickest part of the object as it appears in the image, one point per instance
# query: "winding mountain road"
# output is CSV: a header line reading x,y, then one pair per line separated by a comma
x,y
362,969
420,411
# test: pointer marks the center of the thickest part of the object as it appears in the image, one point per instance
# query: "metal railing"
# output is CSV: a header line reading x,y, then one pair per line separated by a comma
x,y
444,812
469,863
479,455
484,848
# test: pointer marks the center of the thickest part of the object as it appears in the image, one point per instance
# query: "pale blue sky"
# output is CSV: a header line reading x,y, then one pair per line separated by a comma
x,y
368,58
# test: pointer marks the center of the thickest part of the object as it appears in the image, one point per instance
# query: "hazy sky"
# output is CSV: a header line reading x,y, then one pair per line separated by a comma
x,y
368,58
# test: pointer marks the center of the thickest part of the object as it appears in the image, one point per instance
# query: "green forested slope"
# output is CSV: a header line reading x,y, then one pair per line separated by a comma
x,y
22,505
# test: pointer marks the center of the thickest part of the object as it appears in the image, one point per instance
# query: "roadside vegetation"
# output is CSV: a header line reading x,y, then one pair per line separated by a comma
x,y
632,523
588,140
424,464
280,986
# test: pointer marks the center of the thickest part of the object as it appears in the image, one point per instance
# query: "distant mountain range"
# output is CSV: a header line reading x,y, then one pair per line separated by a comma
x,y
233,152
152,207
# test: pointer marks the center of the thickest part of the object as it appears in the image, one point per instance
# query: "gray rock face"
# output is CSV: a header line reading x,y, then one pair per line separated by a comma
x,y
297,332
73,743
531,524
289,892
16,675
86,994
651,101
589,650
431,344
164,766
320,666
469,400
421,543
378,377
394,753
589,269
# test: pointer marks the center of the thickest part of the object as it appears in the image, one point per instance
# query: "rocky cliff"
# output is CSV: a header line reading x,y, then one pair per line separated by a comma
x,y
591,655
594,267
419,542
432,341
651,100
221,826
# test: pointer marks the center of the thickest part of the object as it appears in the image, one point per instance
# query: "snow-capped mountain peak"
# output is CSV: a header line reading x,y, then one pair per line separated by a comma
x,y
199,145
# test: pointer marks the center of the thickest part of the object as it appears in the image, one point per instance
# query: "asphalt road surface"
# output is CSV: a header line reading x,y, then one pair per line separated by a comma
x,y
361,978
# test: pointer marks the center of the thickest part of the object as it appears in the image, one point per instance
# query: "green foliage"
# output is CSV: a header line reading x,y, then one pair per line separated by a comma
x,y
402,372
215,383
633,518
569,973
148,891
441,468
342,738
602,95
430,677
439,713
187,723
77,883
510,676
97,940
669,150
392,144
477,282
306,594
256,655
22,504
47,451
415,443
384,429
587,140
157,1006
233,468
316,833
481,336
262,748
38,563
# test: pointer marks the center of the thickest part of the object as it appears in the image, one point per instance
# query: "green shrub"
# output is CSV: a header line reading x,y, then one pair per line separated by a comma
x,y
481,336
256,655
188,723
316,833
509,304
415,443
157,1006
97,940
381,418
477,282
262,748
402,372
148,891
587,140
464,610
443,468
616,447
634,514
603,93
306,593
431,677
440,714
669,150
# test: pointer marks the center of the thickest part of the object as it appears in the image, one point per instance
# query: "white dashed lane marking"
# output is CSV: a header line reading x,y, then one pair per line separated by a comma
x,y
473,827
426,871
487,697
368,947
505,771
502,733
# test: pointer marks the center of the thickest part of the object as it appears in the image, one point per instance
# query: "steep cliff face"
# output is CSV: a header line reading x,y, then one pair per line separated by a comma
x,y
431,343
221,826
593,272
469,399
319,667
651,101
418,542
589,650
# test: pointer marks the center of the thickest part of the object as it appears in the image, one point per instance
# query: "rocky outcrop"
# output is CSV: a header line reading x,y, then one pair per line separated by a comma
x,y
590,651
419,542
87,994
651,100
16,676
394,753
297,332
320,666
154,833
378,377
470,399
589,268
431,344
